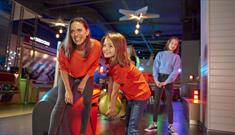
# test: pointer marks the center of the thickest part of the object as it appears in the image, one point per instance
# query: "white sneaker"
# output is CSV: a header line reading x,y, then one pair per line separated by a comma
x,y
171,130
151,128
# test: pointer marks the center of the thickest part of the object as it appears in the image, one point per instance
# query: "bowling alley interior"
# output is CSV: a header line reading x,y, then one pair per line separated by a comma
x,y
202,94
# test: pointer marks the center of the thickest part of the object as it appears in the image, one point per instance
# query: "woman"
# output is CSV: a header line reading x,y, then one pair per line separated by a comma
x,y
166,68
78,58
133,56
126,77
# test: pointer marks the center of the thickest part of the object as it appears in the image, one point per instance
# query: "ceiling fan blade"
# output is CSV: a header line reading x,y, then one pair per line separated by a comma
x,y
124,18
142,10
148,16
60,22
126,12
48,21
55,22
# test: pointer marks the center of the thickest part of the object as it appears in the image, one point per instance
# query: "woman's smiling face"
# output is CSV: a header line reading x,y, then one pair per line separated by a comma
x,y
78,33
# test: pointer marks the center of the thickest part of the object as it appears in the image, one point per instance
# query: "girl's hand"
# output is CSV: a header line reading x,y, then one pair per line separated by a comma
x,y
158,84
68,98
111,111
163,84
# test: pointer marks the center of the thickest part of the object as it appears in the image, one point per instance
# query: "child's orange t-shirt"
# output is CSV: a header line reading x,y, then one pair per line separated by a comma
x,y
132,81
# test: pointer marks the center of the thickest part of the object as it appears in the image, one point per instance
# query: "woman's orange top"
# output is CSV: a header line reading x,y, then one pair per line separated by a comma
x,y
78,66
132,81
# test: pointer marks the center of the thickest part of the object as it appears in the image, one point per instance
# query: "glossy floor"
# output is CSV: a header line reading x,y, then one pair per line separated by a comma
x,y
22,124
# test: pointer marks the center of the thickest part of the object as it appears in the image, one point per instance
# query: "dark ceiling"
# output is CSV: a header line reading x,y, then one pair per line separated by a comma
x,y
177,18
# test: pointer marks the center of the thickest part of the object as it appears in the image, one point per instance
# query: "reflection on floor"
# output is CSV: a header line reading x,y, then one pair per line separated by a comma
x,y
17,125
8,110
180,123
22,125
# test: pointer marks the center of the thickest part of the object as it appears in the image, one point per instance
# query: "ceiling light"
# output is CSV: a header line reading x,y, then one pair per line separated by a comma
x,y
137,25
61,31
57,35
137,31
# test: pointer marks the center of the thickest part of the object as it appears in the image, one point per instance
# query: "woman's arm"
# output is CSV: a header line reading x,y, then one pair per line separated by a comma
x,y
82,84
68,92
63,66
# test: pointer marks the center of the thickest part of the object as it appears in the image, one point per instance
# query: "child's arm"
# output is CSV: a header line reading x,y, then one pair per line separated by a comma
x,y
176,71
112,108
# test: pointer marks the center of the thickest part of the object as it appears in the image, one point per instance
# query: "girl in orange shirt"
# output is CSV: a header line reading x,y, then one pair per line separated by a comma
x,y
126,77
78,58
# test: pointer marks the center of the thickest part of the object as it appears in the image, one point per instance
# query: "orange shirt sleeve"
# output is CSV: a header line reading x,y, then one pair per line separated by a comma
x,y
119,74
96,57
63,61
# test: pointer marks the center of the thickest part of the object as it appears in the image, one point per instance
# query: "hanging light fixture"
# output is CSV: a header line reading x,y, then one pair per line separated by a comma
x,y
57,35
137,31
137,25
61,30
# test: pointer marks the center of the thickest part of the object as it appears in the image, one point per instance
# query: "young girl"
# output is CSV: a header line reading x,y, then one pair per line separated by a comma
x,y
126,77
166,68
78,58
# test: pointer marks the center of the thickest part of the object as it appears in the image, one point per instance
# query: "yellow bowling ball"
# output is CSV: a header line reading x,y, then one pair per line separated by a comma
x,y
123,110
104,102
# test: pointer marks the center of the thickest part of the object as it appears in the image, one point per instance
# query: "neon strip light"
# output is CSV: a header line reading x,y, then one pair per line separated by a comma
x,y
39,40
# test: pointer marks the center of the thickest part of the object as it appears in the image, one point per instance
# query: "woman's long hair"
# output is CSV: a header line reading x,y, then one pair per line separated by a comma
x,y
132,53
168,43
119,41
68,46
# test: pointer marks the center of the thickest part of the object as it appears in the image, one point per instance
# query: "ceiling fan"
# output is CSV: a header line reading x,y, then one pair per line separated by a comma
x,y
138,15
55,22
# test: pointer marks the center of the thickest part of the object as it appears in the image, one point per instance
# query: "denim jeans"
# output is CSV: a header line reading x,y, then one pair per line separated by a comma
x,y
157,96
59,122
134,114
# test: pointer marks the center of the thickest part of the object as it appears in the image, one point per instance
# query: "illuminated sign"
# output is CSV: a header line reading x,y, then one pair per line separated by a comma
x,y
41,41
